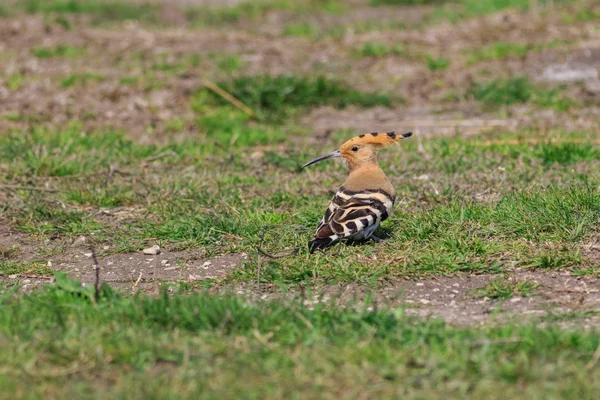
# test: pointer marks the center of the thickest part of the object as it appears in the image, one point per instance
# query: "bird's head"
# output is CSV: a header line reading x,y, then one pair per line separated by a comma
x,y
362,149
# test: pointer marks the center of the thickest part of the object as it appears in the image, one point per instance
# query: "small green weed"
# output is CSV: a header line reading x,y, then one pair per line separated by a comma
x,y
272,96
210,16
52,221
505,288
23,268
374,49
9,252
80,79
227,63
302,29
497,51
436,64
376,3
518,90
64,51
15,81
102,11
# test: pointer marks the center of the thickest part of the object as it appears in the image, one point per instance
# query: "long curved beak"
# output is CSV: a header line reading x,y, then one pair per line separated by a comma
x,y
323,157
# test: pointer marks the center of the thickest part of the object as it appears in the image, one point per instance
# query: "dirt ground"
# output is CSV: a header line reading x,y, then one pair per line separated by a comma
x,y
446,297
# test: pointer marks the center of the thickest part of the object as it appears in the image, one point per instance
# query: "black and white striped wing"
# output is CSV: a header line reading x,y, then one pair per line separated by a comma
x,y
352,215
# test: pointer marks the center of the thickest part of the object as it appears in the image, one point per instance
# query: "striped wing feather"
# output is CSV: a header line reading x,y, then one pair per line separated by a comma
x,y
348,214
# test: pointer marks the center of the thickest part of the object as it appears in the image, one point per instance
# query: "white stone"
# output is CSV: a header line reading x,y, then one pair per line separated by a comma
x,y
152,251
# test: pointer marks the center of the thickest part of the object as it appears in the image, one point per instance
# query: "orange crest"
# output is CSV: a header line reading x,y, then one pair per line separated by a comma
x,y
375,138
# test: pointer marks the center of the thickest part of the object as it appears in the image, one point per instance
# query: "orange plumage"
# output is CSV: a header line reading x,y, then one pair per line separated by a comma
x,y
365,199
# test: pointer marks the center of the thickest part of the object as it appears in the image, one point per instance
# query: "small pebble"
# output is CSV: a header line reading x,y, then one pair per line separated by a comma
x,y
164,262
152,251
87,254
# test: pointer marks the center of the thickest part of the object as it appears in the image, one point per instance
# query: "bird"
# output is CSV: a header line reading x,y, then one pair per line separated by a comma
x,y
365,199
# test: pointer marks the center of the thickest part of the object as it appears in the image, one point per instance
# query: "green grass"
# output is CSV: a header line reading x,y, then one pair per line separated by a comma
x,y
227,63
501,50
518,90
202,345
376,3
437,64
272,96
301,29
15,81
23,268
505,288
212,202
64,51
101,11
463,9
255,10
79,79
375,50
9,252
43,152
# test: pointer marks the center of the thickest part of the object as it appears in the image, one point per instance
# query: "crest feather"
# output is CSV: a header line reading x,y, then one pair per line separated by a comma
x,y
377,138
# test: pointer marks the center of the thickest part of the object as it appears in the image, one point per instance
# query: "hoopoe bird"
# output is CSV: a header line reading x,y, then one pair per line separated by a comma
x,y
365,199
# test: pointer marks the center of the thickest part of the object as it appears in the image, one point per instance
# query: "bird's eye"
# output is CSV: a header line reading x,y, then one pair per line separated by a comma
x,y
355,148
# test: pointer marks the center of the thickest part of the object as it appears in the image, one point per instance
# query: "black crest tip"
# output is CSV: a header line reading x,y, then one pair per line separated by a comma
x,y
407,135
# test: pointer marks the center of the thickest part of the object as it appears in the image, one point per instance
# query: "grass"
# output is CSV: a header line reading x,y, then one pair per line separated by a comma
x,y
79,79
518,90
439,224
376,3
254,11
64,51
436,64
222,347
376,50
101,11
9,252
202,178
302,29
502,50
464,9
272,96
22,268
505,288
15,81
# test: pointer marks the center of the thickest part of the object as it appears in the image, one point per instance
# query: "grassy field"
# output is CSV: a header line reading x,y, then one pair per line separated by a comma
x,y
116,135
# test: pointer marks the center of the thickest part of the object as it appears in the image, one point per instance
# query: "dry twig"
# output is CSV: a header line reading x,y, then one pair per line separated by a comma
x,y
229,98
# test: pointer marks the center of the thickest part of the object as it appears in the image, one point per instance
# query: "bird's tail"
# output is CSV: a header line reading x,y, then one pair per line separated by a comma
x,y
321,243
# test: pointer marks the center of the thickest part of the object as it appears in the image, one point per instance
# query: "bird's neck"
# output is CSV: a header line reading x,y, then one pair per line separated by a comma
x,y
368,176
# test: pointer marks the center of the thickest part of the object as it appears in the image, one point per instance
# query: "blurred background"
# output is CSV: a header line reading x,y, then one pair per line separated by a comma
x,y
161,70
